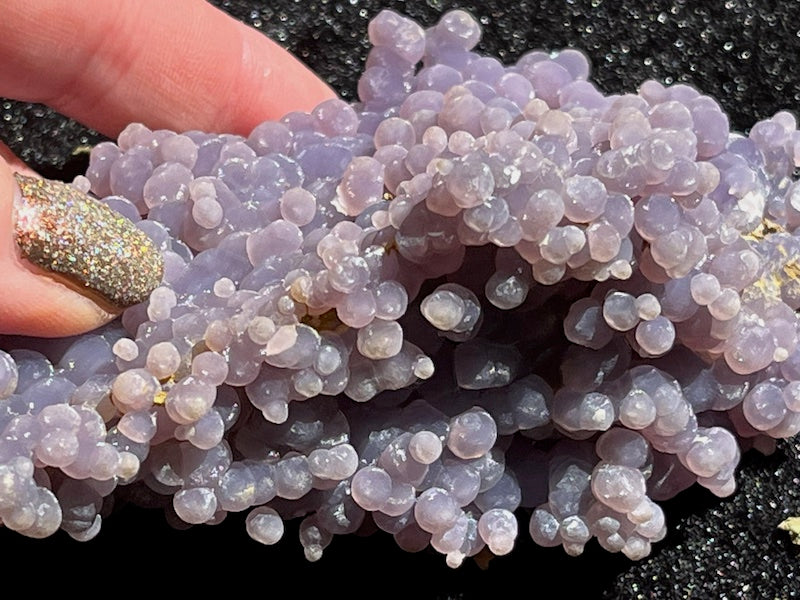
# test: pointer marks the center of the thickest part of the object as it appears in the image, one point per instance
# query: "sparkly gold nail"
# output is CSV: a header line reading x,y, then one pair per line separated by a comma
x,y
71,235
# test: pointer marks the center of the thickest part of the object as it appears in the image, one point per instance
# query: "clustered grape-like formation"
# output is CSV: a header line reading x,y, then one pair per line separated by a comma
x,y
483,293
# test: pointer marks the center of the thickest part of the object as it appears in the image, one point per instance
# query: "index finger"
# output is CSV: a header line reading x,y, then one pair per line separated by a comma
x,y
180,65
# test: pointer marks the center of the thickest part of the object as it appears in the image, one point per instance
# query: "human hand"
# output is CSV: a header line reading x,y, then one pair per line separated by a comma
x,y
106,65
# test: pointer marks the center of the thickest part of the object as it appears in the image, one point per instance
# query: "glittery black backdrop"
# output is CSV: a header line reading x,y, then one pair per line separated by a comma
x,y
742,52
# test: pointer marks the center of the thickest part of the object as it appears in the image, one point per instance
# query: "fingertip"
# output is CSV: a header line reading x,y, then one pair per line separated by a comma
x,y
180,65
33,302
273,83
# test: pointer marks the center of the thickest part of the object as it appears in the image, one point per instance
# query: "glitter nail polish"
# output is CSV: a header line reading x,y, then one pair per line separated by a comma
x,y
72,235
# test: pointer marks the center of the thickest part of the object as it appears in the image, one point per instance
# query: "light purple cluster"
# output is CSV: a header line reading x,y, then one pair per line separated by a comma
x,y
483,293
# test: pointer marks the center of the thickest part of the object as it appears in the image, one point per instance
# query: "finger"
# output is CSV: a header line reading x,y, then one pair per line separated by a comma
x,y
55,282
181,64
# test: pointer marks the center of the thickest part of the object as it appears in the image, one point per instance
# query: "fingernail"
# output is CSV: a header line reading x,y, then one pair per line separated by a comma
x,y
67,233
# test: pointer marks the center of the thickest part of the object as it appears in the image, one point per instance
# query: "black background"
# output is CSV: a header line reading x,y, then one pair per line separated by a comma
x,y
745,54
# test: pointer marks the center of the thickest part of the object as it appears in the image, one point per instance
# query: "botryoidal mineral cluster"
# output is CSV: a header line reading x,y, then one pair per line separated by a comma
x,y
480,299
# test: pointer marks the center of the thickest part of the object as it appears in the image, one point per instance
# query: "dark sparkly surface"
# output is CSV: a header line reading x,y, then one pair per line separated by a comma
x,y
742,53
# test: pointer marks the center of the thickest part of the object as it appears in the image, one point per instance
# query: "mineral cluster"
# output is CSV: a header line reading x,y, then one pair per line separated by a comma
x,y
481,294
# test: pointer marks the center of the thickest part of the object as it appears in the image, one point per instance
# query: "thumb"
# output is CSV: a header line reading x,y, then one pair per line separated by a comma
x,y
68,263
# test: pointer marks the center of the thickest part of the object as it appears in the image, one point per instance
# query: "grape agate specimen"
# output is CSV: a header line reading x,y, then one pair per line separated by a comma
x,y
482,293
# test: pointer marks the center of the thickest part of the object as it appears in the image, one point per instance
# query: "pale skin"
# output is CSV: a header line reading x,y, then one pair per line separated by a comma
x,y
107,64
